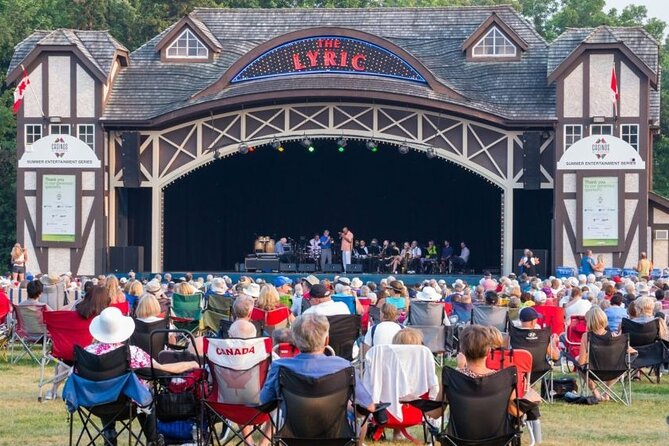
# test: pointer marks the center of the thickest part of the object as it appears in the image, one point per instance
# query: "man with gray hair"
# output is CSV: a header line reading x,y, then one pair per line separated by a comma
x,y
310,332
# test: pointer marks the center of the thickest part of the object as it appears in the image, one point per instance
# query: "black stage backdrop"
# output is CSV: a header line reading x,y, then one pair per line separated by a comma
x,y
213,215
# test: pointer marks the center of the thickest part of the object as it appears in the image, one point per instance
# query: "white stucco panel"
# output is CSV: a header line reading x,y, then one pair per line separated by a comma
x,y
569,183
59,260
632,182
32,266
630,207
660,217
567,254
29,180
59,86
86,206
573,93
33,99
633,253
601,103
87,265
630,92
570,205
31,204
88,181
660,253
85,94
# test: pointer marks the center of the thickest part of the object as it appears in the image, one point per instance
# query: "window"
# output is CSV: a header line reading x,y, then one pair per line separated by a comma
x,y
601,129
187,46
572,133
494,44
630,134
33,132
59,129
86,133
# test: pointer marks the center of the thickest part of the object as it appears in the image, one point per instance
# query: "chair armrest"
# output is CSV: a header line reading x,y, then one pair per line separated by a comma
x,y
267,407
426,405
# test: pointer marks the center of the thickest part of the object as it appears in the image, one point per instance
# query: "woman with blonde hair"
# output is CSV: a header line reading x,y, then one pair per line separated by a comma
x,y
408,336
269,300
134,290
115,294
185,289
19,259
148,309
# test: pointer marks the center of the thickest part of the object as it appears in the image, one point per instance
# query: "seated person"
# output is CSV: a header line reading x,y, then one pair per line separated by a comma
x,y
646,313
384,331
269,300
344,293
322,303
110,329
242,329
34,291
615,312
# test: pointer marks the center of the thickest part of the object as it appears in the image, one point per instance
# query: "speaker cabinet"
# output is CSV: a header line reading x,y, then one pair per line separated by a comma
x,y
288,267
306,268
532,160
354,268
265,265
130,159
333,268
125,258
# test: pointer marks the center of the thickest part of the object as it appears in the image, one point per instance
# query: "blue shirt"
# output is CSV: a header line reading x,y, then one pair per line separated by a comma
x,y
278,248
615,314
313,366
586,265
325,242
446,251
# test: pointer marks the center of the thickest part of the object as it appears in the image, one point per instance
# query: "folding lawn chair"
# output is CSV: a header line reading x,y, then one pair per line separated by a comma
x,y
536,342
551,316
348,300
652,350
5,326
217,309
103,386
272,319
186,311
29,330
429,319
142,338
66,329
364,317
609,360
314,411
572,340
469,398
490,315
344,331
285,350
238,370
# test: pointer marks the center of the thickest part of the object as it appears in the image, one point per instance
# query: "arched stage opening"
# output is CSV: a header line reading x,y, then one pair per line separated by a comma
x,y
212,216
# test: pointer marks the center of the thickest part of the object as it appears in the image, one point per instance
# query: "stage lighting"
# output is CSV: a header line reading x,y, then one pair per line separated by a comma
x,y
372,146
276,144
404,149
430,152
217,154
341,144
306,142
311,149
243,148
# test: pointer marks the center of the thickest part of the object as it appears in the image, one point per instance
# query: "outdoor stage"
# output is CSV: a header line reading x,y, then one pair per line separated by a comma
x,y
408,279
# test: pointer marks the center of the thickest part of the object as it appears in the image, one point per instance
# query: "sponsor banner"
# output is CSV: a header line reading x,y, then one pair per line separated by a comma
x,y
59,198
600,211
601,152
61,152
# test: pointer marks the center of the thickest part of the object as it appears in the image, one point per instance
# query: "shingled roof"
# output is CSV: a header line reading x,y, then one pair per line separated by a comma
x,y
98,47
149,88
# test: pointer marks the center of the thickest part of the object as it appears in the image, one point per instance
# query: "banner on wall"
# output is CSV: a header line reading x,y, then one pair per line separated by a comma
x,y
600,211
601,152
59,197
59,151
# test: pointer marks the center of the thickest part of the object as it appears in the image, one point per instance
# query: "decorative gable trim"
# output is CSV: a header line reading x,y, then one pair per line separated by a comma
x,y
197,28
494,21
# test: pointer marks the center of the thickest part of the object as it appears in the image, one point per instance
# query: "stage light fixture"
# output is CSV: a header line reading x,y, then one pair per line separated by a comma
x,y
276,144
341,144
311,149
217,154
430,152
372,146
404,149
306,142
243,148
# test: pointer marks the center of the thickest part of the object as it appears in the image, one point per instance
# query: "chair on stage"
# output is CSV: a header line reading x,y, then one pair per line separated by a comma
x,y
29,330
315,411
66,329
469,397
238,369
186,311
104,386
142,336
609,361
399,375
344,331
536,342
652,350
491,315
272,319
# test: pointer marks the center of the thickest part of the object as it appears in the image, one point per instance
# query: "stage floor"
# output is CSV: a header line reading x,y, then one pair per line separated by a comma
x,y
408,279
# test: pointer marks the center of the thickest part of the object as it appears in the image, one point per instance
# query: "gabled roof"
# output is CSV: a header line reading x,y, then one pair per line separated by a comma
x,y
150,88
195,24
494,20
97,49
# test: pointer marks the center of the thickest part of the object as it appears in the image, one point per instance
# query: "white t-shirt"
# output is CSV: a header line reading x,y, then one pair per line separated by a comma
x,y
383,333
328,308
577,309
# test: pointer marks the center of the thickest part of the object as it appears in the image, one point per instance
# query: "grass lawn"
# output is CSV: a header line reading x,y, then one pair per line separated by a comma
x,y
26,422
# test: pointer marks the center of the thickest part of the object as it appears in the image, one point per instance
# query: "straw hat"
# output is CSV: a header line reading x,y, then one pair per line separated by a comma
x,y
253,290
50,279
111,327
153,286
428,293
218,286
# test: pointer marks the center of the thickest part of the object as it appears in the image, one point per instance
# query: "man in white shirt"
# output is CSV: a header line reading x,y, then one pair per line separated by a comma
x,y
322,303
384,331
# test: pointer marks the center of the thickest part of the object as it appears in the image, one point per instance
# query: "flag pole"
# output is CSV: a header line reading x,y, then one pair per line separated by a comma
x,y
39,103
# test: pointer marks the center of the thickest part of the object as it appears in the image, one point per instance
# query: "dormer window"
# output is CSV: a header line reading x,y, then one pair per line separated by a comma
x,y
187,46
494,44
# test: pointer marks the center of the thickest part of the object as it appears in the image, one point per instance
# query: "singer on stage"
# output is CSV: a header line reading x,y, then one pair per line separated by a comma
x,y
346,237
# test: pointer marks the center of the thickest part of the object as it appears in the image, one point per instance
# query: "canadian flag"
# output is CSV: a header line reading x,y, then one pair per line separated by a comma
x,y
20,91
614,91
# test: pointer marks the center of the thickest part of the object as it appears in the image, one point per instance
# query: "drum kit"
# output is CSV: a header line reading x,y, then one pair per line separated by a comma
x,y
264,245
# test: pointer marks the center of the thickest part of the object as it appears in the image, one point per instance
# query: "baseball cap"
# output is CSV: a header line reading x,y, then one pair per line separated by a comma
x,y
528,314
318,291
311,280
281,281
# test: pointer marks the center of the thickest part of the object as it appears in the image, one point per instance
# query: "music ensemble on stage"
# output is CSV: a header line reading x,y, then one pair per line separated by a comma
x,y
323,250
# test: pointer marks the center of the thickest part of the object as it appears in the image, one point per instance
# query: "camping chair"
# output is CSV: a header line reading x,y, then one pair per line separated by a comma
x,y
429,318
572,340
550,316
394,371
285,350
364,317
344,331
608,360
5,325
315,410
536,342
490,315
179,415
29,330
123,306
17,295
218,308
238,370
469,398
348,300
142,336
463,312
186,311
54,295
66,329
103,386
272,319
652,350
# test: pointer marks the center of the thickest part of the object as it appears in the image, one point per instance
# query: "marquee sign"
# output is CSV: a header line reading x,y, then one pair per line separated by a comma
x,y
601,152
328,54
59,151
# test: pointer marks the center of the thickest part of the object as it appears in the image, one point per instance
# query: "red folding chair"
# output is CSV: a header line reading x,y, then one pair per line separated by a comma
x,y
499,359
238,369
123,306
272,319
285,350
65,329
5,306
364,319
5,329
29,330
448,307
550,316
572,339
